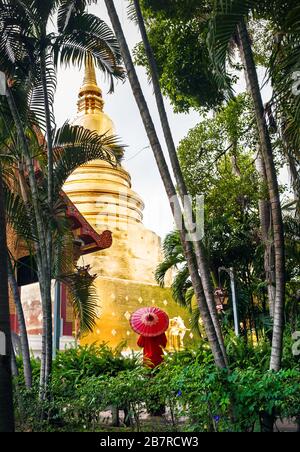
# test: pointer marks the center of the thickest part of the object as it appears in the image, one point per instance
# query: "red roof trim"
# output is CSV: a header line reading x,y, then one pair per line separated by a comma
x,y
92,240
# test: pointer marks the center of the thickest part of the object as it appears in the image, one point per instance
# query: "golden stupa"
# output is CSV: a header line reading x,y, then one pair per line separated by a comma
x,y
103,194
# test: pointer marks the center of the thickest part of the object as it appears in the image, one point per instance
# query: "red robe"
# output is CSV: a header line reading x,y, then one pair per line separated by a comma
x,y
153,349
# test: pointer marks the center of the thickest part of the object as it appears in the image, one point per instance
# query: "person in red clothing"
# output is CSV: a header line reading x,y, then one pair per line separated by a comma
x,y
153,356
153,349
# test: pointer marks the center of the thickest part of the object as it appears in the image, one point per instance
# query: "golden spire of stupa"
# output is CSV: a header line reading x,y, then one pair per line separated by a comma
x,y
101,191
90,95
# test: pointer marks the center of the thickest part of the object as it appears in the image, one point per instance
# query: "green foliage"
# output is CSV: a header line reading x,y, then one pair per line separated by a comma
x,y
215,400
276,37
76,364
179,44
242,354
223,30
230,132
218,161
79,387
175,8
29,55
89,380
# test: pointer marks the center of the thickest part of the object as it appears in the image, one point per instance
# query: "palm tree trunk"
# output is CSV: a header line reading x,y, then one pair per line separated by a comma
x,y
22,326
265,216
48,313
6,391
182,188
49,148
168,183
41,245
49,333
13,363
267,153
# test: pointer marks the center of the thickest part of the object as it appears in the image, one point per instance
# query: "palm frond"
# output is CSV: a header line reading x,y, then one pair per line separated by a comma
x,y
162,269
17,215
90,36
75,146
222,28
63,251
84,298
36,96
180,286
172,247
189,295
195,319
17,40
284,70
173,257
42,9
131,12
68,9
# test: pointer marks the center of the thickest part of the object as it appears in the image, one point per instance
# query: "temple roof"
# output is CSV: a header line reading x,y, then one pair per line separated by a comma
x,y
90,240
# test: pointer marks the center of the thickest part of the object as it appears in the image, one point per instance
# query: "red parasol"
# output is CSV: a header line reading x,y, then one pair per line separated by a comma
x,y
149,322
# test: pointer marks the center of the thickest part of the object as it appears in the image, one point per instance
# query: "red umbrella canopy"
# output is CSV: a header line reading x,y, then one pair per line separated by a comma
x,y
149,322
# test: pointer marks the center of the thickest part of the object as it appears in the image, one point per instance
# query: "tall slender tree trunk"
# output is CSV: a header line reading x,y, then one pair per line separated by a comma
x,y
168,183
48,307
265,216
22,326
6,391
273,187
182,188
13,362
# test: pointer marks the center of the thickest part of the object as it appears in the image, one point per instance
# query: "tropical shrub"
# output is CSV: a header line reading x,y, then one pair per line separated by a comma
x,y
195,395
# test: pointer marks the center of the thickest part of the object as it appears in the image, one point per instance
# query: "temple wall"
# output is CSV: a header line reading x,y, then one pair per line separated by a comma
x,y
119,298
134,256
32,307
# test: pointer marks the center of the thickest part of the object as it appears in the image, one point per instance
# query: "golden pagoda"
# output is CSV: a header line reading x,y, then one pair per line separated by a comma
x,y
104,196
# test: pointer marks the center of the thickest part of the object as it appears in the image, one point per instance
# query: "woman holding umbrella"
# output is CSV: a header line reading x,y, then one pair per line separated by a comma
x,y
151,323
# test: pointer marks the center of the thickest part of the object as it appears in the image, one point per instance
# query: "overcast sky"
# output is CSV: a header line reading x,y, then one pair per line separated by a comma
x,y
121,107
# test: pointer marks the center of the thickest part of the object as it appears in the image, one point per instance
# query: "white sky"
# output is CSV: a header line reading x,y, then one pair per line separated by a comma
x,y
121,107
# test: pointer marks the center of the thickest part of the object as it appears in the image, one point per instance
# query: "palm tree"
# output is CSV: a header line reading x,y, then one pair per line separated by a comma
x,y
6,395
182,188
14,208
168,183
274,195
28,56
72,147
230,21
80,285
